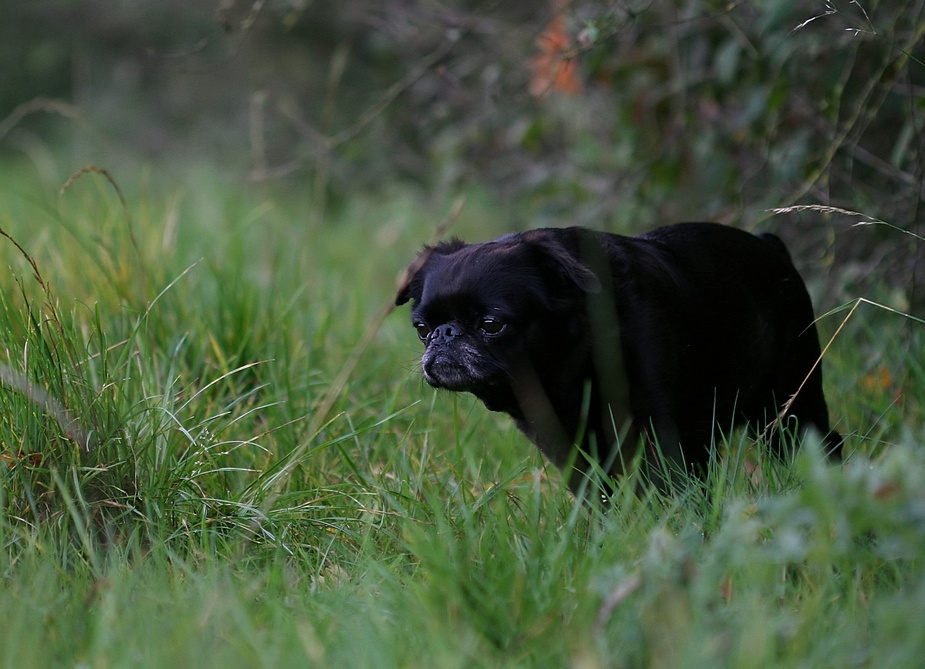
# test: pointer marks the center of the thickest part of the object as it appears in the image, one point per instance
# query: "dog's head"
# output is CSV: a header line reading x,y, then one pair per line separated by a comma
x,y
484,310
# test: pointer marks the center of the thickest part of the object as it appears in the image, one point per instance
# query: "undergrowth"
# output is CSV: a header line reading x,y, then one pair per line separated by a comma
x,y
215,452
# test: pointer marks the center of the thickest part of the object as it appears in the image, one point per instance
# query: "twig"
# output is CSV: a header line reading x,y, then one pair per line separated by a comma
x,y
886,74
393,92
775,424
329,142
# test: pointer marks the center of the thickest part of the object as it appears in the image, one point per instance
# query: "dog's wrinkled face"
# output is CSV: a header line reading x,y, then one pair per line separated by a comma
x,y
480,310
468,312
462,352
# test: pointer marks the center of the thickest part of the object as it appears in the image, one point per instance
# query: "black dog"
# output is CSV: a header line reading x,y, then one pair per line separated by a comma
x,y
594,339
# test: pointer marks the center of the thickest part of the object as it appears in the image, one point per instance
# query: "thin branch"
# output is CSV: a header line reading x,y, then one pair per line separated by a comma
x,y
326,142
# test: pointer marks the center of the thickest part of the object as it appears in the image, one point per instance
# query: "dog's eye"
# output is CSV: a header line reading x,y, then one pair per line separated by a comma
x,y
491,326
423,330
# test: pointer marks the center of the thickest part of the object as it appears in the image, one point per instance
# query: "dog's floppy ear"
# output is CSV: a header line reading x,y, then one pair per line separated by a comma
x,y
564,263
406,279
410,281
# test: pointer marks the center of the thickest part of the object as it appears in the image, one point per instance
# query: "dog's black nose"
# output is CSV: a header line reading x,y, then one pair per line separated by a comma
x,y
445,332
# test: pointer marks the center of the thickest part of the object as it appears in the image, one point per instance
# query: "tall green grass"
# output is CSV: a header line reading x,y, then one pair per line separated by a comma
x,y
214,454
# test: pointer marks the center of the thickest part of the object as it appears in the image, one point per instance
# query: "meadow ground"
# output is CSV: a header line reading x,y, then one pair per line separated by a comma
x,y
215,453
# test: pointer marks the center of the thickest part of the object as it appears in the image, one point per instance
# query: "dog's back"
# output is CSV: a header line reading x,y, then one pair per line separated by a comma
x,y
718,330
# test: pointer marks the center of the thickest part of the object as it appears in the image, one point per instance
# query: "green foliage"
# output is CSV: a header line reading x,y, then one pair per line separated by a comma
x,y
214,452
680,110
184,480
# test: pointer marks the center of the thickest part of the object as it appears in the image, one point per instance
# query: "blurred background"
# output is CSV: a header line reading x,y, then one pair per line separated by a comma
x,y
616,114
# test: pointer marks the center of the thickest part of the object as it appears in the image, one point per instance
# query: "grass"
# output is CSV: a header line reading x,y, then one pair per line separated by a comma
x,y
186,482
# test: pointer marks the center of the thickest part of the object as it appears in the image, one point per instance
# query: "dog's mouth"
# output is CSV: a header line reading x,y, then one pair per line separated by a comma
x,y
463,368
443,371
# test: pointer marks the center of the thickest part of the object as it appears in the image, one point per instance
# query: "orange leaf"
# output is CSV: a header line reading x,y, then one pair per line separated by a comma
x,y
551,71
878,379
